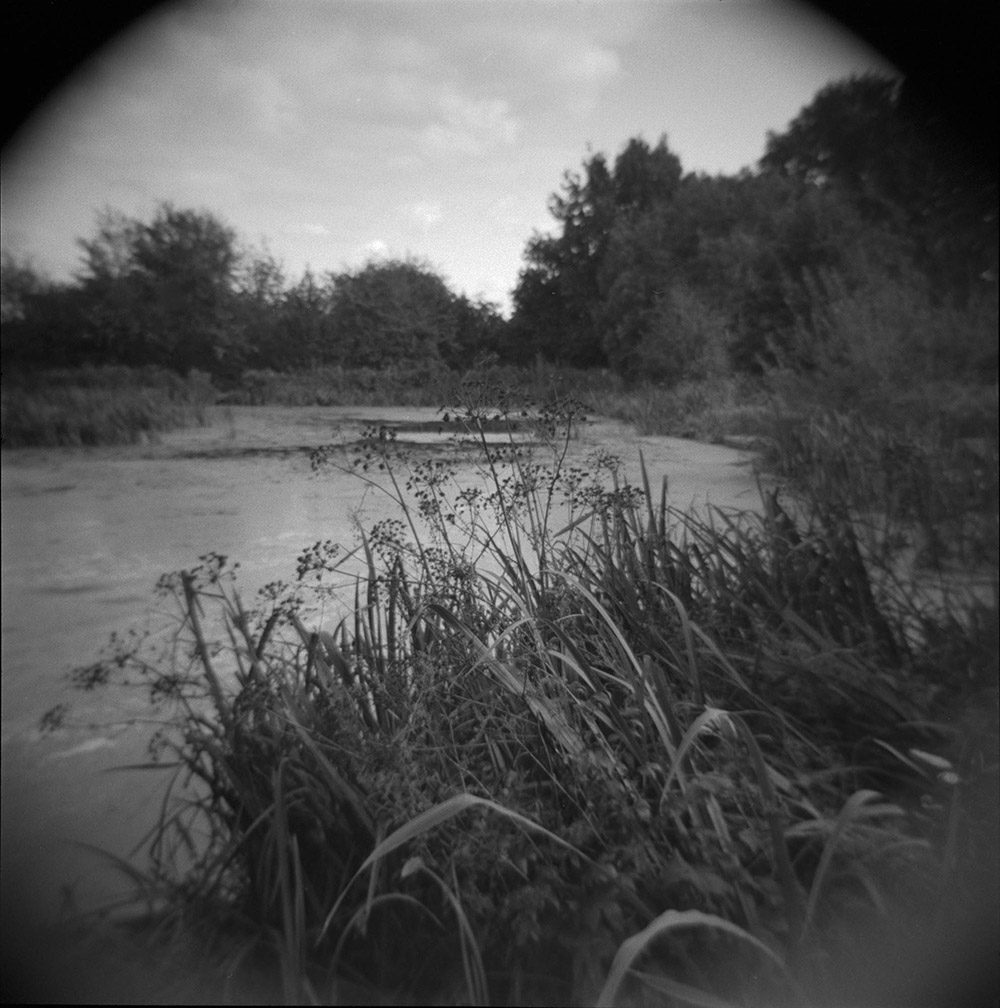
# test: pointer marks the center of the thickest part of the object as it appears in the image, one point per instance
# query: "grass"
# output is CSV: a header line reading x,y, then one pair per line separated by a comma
x,y
704,410
568,745
405,384
99,406
920,473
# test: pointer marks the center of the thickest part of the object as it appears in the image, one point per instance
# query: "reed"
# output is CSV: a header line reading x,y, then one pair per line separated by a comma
x,y
407,384
100,406
565,744
708,409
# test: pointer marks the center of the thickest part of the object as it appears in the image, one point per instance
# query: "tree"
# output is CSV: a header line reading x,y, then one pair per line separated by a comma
x,y
669,281
847,136
893,157
20,284
259,291
480,330
303,335
557,300
645,176
40,318
391,312
556,294
163,292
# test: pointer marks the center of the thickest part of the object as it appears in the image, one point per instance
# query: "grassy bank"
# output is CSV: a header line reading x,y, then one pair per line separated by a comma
x,y
99,406
568,745
915,469
705,410
407,384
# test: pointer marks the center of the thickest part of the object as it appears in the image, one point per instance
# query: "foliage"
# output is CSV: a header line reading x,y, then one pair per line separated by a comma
x,y
847,135
393,312
871,138
180,292
556,300
161,293
709,410
656,274
557,720
412,384
664,275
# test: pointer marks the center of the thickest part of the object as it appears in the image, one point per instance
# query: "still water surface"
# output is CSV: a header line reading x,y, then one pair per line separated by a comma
x,y
86,534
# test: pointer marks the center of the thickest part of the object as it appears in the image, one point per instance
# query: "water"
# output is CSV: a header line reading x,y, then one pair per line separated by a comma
x,y
86,534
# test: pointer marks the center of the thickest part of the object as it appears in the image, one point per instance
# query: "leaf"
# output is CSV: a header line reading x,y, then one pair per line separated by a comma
x,y
671,920
431,819
412,866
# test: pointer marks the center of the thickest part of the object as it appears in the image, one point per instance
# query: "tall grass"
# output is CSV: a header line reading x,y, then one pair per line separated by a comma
x,y
99,406
707,409
406,384
565,745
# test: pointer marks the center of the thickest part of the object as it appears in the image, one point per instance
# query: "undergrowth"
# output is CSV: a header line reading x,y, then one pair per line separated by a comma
x,y
566,744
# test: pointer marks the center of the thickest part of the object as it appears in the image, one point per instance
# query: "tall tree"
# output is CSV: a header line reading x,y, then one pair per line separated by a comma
x,y
847,136
645,176
557,299
891,155
163,292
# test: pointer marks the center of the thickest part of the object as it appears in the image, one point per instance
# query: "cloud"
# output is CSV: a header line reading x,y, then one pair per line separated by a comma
x,y
427,214
466,125
309,230
258,96
558,64
575,60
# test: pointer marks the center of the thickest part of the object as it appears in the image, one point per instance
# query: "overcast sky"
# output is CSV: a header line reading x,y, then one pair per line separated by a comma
x,y
336,131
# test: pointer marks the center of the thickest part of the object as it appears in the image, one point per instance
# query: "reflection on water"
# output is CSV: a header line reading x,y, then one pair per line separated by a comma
x,y
86,534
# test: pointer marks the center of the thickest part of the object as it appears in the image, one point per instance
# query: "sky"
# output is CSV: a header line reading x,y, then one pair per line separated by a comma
x,y
331,132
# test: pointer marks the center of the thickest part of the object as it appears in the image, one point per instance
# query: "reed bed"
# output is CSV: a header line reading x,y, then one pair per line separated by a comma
x,y
566,744
707,409
100,406
926,482
407,384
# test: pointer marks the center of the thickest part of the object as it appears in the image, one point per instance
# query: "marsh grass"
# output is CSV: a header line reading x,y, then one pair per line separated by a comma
x,y
918,479
705,410
565,745
100,406
408,384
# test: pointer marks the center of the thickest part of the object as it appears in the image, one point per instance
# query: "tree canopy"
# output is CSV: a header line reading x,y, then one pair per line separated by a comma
x,y
665,275
653,272
180,291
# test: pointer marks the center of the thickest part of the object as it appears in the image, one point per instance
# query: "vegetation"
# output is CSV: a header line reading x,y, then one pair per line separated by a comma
x,y
560,722
562,743
100,406
413,383
862,215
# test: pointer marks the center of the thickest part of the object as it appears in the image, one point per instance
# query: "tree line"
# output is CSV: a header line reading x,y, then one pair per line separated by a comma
x,y
861,224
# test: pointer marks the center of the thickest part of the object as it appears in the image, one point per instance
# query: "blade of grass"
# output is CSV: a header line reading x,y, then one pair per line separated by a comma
x,y
431,819
672,920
